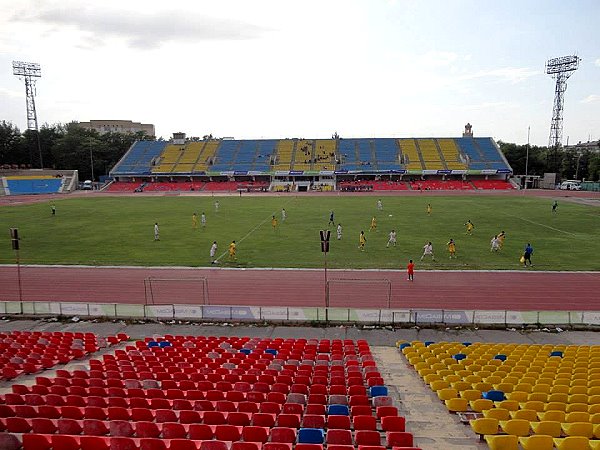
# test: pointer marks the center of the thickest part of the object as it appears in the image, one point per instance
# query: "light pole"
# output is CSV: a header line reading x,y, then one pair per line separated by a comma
x,y
91,158
527,156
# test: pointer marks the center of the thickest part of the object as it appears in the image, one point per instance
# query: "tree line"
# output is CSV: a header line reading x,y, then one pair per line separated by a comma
x,y
69,146
65,147
567,163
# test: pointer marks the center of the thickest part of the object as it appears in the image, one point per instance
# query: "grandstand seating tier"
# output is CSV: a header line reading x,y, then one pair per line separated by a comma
x,y
211,393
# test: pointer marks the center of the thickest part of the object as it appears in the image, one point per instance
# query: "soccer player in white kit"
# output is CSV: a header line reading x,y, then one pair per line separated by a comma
x,y
379,205
213,252
392,239
339,231
428,251
203,219
156,232
495,244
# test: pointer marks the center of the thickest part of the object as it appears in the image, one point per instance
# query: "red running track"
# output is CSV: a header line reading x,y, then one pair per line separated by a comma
x,y
521,291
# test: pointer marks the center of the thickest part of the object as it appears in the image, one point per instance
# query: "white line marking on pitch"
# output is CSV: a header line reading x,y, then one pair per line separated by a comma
x,y
541,225
253,230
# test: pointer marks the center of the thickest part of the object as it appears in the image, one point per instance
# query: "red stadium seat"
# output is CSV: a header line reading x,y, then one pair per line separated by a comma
x,y
30,442
281,434
255,433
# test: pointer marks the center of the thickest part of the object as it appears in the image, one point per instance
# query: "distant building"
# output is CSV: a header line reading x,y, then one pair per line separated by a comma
x,y
118,126
593,146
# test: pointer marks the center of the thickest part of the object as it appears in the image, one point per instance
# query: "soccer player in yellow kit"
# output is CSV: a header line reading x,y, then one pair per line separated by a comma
x,y
373,224
232,248
470,227
362,240
452,248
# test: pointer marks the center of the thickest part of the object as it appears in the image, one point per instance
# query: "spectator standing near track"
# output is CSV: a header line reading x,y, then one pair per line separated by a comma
x,y
410,270
527,254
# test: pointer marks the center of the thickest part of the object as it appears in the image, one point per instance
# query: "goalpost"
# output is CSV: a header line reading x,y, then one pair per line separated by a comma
x,y
170,291
359,293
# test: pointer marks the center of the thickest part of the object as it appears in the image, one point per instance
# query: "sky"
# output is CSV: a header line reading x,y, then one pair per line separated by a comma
x,y
277,68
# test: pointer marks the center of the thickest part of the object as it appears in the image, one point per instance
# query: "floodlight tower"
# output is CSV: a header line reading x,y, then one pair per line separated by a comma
x,y
30,72
560,69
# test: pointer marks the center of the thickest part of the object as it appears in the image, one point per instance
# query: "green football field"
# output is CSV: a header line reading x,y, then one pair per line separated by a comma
x,y
119,231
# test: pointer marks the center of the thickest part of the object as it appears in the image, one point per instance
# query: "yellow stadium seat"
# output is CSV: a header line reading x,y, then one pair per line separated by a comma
x,y
558,416
593,390
497,413
518,396
563,398
504,387
594,444
460,385
511,405
470,394
533,404
555,406
592,399
538,396
516,427
595,418
537,442
545,388
524,387
597,431
483,386
438,385
594,409
457,404
572,443
431,377
547,427
447,394
527,414
503,442
585,429
484,426
573,407
577,417
481,404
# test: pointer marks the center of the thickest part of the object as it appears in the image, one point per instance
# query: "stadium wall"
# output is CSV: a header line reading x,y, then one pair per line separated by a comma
x,y
300,315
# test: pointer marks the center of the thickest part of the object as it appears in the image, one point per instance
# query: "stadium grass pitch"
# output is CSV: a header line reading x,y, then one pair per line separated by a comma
x,y
119,231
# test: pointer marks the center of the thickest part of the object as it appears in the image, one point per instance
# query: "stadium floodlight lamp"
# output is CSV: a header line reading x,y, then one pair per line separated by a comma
x,y
26,69
562,64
